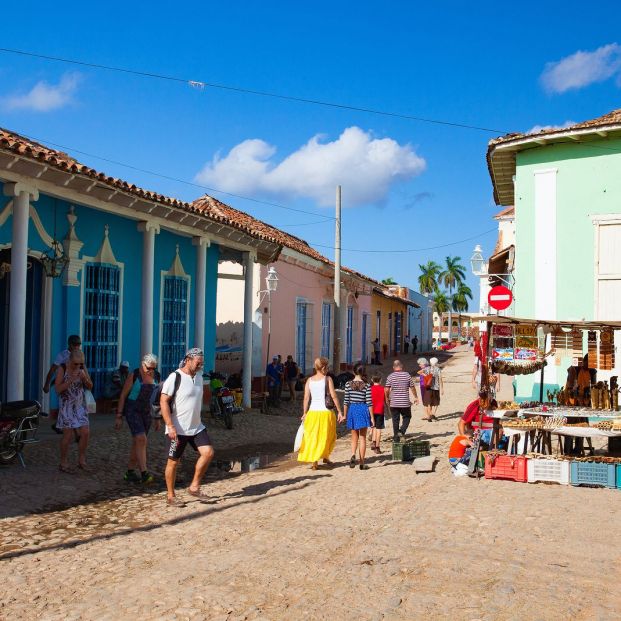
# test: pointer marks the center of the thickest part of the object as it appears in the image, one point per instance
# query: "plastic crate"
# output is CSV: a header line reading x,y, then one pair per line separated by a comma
x,y
619,476
552,470
405,451
592,473
512,467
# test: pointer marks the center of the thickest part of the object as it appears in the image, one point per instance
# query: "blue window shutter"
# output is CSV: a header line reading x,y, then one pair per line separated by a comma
x,y
174,322
101,322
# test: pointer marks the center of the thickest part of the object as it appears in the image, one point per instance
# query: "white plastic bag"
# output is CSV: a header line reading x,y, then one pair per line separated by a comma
x,y
89,400
298,438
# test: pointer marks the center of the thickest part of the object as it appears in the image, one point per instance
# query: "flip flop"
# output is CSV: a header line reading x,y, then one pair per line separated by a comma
x,y
352,461
65,469
198,494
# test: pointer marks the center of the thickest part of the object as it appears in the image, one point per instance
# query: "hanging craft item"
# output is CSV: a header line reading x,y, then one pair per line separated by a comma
x,y
525,354
500,353
606,350
508,368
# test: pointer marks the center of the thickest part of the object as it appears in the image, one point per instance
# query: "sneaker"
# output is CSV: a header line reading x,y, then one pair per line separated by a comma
x,y
131,476
146,478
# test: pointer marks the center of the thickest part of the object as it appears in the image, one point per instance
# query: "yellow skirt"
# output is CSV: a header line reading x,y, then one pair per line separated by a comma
x,y
319,436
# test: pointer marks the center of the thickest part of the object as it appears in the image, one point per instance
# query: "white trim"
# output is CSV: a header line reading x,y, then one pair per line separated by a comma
x,y
6,212
43,234
545,171
606,218
545,260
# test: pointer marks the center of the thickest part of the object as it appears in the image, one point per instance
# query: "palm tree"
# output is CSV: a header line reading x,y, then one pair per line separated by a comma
x,y
441,305
453,274
460,302
389,281
428,279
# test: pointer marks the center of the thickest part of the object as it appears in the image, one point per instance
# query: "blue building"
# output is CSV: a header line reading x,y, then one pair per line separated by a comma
x,y
140,269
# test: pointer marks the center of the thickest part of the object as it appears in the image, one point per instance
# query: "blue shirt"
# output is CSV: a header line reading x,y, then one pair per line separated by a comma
x,y
273,374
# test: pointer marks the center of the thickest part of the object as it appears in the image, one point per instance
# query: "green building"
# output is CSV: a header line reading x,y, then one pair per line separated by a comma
x,y
566,188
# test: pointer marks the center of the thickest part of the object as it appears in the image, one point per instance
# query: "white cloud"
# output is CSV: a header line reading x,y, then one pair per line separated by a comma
x,y
582,68
365,166
539,128
43,97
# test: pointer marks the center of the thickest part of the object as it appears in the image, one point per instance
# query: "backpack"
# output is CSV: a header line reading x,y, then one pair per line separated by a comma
x,y
156,410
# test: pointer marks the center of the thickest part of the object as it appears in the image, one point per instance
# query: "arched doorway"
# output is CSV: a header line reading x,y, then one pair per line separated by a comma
x,y
34,304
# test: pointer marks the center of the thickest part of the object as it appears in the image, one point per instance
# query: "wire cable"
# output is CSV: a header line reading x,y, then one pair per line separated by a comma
x,y
455,243
44,142
239,89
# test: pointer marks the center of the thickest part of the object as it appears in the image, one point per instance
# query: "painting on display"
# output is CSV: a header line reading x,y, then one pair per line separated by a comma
x,y
502,330
500,353
525,354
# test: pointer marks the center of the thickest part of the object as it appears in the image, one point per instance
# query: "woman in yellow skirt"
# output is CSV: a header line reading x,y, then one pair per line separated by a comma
x,y
319,421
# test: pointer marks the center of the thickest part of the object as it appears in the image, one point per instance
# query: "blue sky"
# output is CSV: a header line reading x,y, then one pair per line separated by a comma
x,y
406,184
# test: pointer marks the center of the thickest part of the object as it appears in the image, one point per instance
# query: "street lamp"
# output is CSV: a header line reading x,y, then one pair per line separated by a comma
x,y
477,262
271,282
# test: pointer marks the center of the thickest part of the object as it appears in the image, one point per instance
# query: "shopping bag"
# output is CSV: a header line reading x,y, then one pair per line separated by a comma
x,y
89,400
298,438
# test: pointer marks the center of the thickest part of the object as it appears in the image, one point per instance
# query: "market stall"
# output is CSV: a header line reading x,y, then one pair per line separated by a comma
x,y
562,426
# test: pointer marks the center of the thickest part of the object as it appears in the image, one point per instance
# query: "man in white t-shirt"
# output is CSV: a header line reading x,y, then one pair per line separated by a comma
x,y
180,403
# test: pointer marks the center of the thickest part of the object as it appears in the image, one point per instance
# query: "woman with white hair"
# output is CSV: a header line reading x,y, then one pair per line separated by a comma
x,y
135,405
423,364
433,392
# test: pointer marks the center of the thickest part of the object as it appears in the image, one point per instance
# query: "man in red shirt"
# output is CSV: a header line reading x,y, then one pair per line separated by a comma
x,y
471,419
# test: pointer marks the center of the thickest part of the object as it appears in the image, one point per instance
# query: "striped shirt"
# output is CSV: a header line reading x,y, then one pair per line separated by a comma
x,y
400,383
357,392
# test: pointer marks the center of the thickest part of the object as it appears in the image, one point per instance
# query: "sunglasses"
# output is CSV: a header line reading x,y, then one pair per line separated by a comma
x,y
150,368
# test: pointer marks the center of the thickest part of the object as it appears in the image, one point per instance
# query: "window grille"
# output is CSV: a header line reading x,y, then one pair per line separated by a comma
x,y
326,320
101,322
174,323
397,333
350,334
300,353
365,337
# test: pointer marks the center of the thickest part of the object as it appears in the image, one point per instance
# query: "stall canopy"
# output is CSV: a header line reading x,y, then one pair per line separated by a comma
x,y
553,323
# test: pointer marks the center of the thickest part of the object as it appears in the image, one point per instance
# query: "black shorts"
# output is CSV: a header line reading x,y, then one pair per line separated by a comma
x,y
378,420
431,397
175,448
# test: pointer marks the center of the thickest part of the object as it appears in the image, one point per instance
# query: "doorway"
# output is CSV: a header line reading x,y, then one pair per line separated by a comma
x,y
34,304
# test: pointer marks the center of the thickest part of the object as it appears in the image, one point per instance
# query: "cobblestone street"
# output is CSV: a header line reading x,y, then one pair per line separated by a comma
x,y
283,542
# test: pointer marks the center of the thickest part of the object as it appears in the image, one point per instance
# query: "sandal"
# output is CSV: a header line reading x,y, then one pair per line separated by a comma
x,y
314,466
84,467
175,502
327,462
364,467
352,461
65,469
198,494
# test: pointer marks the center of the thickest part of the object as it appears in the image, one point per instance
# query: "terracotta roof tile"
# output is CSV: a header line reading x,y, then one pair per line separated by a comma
x,y
607,120
25,147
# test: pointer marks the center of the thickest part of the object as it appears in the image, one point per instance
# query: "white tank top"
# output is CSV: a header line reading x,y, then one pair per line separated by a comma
x,y
318,395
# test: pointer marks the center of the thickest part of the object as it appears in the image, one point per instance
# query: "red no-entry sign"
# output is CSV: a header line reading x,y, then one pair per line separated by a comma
x,y
499,298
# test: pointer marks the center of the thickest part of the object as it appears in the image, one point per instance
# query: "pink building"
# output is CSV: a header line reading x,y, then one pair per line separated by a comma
x,y
302,309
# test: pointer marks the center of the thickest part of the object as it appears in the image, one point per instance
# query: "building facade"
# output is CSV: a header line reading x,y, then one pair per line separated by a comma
x,y
140,269
566,189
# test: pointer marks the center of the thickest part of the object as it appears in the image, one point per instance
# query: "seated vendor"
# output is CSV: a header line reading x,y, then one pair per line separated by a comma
x,y
459,451
471,419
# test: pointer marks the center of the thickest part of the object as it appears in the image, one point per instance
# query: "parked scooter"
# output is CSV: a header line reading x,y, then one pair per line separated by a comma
x,y
222,400
19,423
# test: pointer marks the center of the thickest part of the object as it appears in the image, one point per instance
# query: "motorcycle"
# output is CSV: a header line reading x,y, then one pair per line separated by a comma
x,y
19,423
222,400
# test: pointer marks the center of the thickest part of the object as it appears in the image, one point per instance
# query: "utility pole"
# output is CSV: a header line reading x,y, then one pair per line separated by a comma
x,y
336,365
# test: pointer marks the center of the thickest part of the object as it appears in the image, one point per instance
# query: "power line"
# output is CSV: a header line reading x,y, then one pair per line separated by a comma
x,y
177,180
461,241
239,89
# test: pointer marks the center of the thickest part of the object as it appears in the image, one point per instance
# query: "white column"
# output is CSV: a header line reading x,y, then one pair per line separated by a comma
x,y
248,325
17,308
201,243
148,229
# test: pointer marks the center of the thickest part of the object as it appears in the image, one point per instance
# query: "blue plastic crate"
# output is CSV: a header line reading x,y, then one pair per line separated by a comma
x,y
592,473
619,476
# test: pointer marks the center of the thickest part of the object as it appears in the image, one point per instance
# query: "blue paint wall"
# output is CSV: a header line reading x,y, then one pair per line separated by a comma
x,y
126,243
